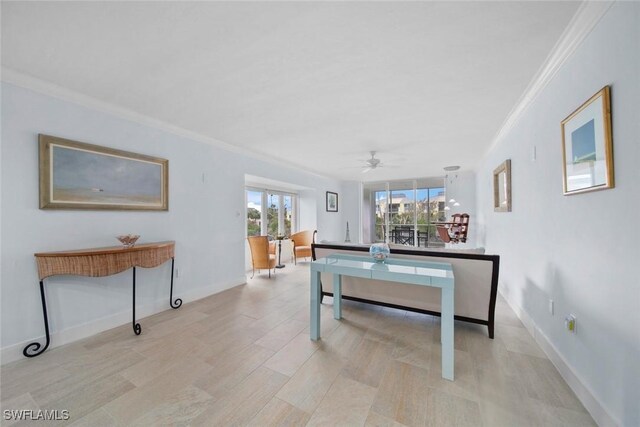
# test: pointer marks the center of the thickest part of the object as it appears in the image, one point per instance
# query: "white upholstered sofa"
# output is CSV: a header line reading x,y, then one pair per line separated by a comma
x,y
476,283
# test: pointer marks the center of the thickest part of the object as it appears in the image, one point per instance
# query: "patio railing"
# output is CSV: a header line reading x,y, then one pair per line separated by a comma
x,y
427,236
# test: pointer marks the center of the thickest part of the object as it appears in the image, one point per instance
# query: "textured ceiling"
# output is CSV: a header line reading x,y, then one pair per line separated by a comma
x,y
318,84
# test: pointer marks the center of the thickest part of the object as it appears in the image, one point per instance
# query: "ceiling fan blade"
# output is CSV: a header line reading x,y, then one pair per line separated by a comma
x,y
365,170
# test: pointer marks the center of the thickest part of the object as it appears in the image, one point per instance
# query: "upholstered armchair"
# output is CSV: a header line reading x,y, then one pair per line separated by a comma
x,y
261,256
302,241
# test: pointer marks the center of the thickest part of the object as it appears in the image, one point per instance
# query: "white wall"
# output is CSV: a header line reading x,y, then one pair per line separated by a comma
x,y
582,251
307,203
205,218
350,207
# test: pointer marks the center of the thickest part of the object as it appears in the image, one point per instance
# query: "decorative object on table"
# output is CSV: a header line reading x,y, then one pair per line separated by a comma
x,y
379,251
347,238
75,175
502,187
128,240
587,146
332,202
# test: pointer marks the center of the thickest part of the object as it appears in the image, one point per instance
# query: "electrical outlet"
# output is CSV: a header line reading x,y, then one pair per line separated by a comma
x,y
551,307
570,323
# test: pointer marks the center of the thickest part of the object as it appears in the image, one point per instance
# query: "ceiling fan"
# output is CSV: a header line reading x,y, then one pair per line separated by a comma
x,y
372,163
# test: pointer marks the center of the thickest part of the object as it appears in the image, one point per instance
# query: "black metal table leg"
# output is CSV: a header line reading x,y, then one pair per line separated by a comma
x,y
280,264
136,326
33,349
178,301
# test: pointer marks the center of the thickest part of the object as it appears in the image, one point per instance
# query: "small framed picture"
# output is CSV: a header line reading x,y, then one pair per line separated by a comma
x,y
587,146
502,187
332,202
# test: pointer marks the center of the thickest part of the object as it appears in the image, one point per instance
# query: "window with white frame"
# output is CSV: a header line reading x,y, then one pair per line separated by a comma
x,y
270,212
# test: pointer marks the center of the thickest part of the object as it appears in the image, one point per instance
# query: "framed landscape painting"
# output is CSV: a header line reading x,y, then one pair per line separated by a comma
x,y
587,146
332,202
75,175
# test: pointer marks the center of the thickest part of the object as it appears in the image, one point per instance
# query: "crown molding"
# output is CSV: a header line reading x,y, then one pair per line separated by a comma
x,y
17,78
585,19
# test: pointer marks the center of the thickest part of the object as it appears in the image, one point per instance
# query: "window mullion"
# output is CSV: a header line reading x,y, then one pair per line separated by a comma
x,y
387,219
280,214
263,214
415,214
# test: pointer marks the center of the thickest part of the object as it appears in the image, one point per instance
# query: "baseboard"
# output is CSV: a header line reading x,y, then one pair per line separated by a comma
x,y
599,413
14,352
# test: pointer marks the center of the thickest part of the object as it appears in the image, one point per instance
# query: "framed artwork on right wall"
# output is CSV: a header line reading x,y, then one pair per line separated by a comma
x,y
587,146
502,187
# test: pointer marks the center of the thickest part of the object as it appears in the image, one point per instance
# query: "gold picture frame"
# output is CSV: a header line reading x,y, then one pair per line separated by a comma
x,y
502,187
75,175
587,146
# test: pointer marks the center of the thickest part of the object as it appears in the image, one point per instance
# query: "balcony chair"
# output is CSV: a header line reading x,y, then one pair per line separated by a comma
x,y
261,256
456,230
302,241
402,234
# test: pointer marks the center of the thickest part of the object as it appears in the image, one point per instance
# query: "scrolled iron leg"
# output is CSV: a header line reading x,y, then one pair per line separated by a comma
x,y
34,349
178,302
137,329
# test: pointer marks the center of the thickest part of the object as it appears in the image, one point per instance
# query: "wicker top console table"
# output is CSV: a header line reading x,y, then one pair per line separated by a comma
x,y
100,262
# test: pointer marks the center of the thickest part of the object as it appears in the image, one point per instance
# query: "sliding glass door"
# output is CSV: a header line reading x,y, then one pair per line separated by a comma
x,y
404,212
402,222
430,209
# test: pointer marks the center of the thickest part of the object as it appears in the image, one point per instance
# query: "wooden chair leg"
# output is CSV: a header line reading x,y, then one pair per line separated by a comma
x,y
253,272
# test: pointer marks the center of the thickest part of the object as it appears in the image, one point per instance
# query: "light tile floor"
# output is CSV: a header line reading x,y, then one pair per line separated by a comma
x,y
243,357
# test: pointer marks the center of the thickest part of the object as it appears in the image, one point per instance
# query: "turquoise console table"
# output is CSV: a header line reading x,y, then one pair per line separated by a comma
x,y
436,274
